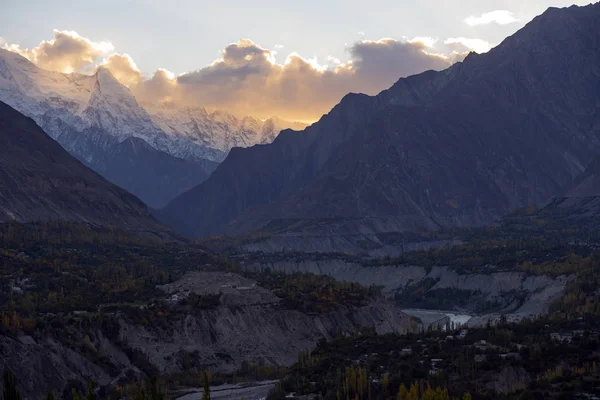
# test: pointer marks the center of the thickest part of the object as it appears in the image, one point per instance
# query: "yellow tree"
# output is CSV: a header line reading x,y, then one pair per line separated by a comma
x,y
403,393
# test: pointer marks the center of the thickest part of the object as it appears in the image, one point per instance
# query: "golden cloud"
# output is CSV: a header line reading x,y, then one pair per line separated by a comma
x,y
66,52
248,80
161,87
124,69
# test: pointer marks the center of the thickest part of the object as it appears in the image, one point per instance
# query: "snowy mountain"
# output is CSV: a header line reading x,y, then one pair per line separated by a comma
x,y
101,106
61,103
92,116
218,130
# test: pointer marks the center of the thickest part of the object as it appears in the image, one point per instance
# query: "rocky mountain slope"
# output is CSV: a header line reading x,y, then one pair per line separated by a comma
x,y
39,180
578,205
250,325
588,183
150,174
458,147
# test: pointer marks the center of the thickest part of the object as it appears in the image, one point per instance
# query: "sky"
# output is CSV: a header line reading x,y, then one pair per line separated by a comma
x,y
294,59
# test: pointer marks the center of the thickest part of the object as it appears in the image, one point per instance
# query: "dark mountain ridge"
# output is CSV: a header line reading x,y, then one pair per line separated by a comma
x,y
459,147
40,181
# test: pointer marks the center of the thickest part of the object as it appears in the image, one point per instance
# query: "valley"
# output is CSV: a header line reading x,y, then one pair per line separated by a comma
x,y
439,240
119,308
97,304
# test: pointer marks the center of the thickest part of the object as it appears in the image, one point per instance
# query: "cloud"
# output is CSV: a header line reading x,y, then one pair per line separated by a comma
x,y
424,40
500,17
124,69
461,44
248,80
333,60
162,86
66,52
376,65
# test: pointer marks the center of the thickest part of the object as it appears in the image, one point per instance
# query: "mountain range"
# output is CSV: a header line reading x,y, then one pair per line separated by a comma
x,y
92,116
218,131
501,130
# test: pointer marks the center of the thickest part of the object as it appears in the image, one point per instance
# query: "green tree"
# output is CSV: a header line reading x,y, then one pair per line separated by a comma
x,y
277,393
91,393
149,390
75,394
156,392
206,391
11,392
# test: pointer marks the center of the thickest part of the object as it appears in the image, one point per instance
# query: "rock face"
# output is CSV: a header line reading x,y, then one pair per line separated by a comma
x,y
458,147
39,180
250,325
46,365
221,339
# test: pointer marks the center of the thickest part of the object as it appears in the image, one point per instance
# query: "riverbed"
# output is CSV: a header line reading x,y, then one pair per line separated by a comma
x,y
247,391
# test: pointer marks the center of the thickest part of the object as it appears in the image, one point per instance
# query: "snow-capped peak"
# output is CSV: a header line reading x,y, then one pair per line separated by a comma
x,y
100,104
218,130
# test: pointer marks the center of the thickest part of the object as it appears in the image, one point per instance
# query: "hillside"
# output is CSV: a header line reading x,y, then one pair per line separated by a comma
x,y
39,180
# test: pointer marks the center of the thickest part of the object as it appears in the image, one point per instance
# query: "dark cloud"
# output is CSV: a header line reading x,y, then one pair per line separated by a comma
x,y
380,63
